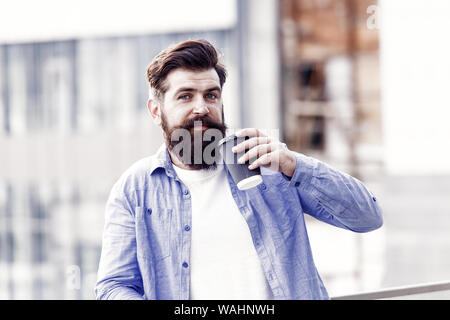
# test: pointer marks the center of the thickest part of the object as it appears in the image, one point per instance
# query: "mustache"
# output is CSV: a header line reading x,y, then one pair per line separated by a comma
x,y
205,120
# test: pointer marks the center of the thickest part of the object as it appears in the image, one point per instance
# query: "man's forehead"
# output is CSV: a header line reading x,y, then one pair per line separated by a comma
x,y
195,79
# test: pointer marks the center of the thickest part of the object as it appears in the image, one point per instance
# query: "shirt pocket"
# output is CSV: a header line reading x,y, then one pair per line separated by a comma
x,y
153,232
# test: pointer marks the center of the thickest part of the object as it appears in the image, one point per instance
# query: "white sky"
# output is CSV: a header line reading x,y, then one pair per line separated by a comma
x,y
38,20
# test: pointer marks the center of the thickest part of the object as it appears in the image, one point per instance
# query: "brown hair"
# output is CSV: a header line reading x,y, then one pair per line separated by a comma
x,y
194,55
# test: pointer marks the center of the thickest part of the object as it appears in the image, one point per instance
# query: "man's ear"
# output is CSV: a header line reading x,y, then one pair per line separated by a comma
x,y
154,109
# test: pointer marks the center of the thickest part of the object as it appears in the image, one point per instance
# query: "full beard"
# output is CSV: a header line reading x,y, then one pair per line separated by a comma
x,y
196,149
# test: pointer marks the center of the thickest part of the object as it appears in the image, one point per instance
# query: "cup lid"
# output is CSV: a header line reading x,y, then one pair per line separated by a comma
x,y
249,182
226,139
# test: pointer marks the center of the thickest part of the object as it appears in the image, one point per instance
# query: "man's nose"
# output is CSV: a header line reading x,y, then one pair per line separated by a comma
x,y
201,108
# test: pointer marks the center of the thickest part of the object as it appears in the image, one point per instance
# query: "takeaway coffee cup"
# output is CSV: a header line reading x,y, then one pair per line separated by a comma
x,y
241,174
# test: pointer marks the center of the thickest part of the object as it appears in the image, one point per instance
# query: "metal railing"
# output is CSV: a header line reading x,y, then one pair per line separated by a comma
x,y
397,291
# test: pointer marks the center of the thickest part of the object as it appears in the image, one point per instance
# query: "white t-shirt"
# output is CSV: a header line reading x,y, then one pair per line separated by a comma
x,y
224,263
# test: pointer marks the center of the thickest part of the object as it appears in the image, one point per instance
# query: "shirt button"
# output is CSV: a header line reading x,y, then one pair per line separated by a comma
x,y
185,265
297,184
186,191
187,228
263,186
374,199
149,211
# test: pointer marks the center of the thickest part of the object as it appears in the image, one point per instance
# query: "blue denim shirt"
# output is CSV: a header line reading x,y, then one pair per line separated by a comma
x,y
147,234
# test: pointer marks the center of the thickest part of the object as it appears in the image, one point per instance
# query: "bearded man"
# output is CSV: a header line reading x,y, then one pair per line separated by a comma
x,y
177,226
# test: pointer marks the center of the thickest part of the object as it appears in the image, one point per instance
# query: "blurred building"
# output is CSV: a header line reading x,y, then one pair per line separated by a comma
x,y
332,111
331,81
364,88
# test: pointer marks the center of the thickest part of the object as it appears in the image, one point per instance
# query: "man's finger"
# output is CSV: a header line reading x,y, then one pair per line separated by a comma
x,y
268,160
250,143
257,151
250,132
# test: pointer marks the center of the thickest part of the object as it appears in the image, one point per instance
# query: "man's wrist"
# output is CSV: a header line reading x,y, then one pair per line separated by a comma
x,y
304,169
291,165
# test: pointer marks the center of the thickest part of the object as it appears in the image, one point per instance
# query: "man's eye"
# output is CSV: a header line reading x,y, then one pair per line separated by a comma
x,y
184,97
211,96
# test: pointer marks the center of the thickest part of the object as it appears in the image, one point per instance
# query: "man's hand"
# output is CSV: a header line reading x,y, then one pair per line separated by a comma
x,y
268,151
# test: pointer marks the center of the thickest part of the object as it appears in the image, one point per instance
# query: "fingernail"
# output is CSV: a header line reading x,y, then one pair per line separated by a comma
x,y
233,149
241,160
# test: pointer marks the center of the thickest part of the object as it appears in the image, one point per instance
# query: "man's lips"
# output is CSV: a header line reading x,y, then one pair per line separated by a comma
x,y
202,127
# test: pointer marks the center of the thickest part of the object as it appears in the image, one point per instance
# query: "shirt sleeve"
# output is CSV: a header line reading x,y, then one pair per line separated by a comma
x,y
335,197
118,275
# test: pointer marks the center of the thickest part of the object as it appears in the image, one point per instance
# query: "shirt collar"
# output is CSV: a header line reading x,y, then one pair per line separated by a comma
x,y
162,160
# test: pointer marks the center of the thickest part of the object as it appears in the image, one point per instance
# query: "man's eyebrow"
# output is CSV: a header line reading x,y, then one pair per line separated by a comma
x,y
214,89
189,89
184,89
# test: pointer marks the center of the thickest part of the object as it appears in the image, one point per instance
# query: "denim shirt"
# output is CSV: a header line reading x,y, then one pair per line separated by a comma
x,y
147,233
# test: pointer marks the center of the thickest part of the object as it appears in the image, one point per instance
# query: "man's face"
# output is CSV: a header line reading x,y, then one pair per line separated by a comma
x,y
192,112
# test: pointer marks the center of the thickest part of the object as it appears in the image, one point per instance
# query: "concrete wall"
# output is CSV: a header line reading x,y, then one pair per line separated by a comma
x,y
415,76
